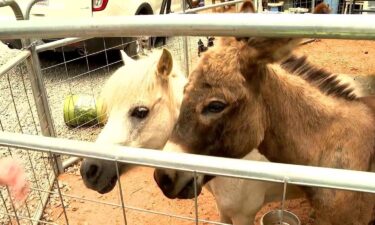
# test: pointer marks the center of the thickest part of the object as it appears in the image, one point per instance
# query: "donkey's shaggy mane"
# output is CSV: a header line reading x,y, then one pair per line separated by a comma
x,y
327,82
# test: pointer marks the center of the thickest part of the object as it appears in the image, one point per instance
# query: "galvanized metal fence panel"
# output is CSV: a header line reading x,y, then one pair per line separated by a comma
x,y
18,113
67,74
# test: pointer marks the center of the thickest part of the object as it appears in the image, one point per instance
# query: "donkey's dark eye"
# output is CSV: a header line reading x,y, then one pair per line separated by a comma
x,y
214,107
140,112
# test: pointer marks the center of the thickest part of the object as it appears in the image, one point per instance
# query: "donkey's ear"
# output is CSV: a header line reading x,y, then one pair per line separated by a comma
x,y
165,64
270,50
322,8
125,58
247,7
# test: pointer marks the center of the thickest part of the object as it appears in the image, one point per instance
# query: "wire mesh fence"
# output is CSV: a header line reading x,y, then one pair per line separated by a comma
x,y
68,73
18,114
65,73
77,69
69,70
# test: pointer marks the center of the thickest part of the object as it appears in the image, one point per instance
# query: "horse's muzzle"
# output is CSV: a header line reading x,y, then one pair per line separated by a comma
x,y
98,175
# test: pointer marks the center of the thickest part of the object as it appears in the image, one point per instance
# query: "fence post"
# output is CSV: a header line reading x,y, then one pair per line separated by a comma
x,y
37,84
40,95
312,6
185,43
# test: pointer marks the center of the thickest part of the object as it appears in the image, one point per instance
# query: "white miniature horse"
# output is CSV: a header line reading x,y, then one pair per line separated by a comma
x,y
142,102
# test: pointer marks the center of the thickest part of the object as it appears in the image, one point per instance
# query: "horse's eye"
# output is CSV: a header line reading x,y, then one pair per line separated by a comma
x,y
140,112
214,107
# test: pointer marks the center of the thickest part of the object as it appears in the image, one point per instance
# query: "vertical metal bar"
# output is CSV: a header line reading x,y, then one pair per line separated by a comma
x,y
39,211
87,59
168,9
283,201
40,94
59,192
28,212
88,65
195,198
66,69
6,208
34,175
123,47
256,4
8,148
44,155
185,43
27,98
121,195
28,152
13,207
21,129
313,5
186,53
163,6
106,59
43,197
40,97
14,103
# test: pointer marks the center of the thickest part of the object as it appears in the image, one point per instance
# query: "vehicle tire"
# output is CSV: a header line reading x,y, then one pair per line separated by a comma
x,y
13,44
146,9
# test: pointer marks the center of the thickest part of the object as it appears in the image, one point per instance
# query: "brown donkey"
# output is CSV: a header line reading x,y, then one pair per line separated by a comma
x,y
238,98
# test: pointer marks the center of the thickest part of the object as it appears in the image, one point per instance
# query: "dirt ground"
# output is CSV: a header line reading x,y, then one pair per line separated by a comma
x,y
140,191
342,56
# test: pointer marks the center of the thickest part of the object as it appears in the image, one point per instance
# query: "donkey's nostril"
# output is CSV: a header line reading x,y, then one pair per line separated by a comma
x,y
166,182
92,172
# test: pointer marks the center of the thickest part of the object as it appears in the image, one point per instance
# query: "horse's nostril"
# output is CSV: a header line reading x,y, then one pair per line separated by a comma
x,y
92,172
166,182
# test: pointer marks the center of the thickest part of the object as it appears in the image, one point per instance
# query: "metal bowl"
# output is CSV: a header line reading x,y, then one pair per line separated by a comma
x,y
273,218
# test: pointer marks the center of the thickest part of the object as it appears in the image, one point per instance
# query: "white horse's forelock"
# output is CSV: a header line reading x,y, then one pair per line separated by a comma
x,y
135,76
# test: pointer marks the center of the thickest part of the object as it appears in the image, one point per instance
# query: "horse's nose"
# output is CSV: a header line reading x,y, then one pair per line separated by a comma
x,y
163,180
90,171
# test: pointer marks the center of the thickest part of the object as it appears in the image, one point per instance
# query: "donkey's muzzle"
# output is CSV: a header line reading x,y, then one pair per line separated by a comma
x,y
98,175
165,183
170,187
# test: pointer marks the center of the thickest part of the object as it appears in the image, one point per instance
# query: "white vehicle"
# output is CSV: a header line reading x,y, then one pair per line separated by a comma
x,y
91,8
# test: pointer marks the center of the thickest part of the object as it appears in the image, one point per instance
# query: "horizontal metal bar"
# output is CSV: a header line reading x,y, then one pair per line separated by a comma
x,y
363,10
198,9
241,25
56,44
266,171
28,218
14,61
